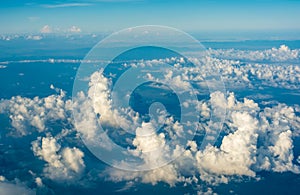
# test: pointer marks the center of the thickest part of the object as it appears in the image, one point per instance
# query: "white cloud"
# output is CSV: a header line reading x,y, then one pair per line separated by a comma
x,y
151,147
276,152
62,163
74,29
2,178
208,191
46,29
237,151
167,174
25,112
240,154
234,73
34,37
39,182
256,138
238,75
281,54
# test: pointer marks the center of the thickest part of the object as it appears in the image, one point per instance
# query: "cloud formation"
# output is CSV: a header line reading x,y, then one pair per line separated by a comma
x,y
281,54
252,144
256,137
34,37
62,163
234,71
46,29
36,112
74,29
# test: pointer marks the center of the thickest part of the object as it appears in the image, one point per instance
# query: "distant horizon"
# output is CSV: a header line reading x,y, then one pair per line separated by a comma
x,y
234,35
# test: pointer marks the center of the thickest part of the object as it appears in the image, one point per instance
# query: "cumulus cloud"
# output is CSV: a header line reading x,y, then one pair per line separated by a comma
x,y
256,138
251,145
62,163
49,29
240,153
237,151
281,54
74,29
46,29
34,37
25,112
97,101
276,152
254,143
151,147
235,73
39,182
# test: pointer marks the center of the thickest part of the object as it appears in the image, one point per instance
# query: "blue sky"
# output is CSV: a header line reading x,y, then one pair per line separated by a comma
x,y
111,15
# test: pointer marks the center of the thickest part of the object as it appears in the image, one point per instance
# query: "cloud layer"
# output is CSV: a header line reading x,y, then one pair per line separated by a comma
x,y
256,137
252,144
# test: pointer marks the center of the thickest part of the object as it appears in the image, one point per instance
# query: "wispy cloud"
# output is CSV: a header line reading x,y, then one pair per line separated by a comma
x,y
79,4
67,5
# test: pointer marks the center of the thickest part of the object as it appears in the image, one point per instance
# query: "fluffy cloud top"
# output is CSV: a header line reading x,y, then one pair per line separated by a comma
x,y
241,153
74,29
281,54
62,163
35,112
237,151
256,138
46,29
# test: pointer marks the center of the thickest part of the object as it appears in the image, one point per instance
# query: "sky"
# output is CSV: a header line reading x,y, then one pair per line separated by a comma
x,y
30,16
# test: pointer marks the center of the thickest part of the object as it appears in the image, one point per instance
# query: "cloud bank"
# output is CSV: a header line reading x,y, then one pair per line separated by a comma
x,y
255,137
257,140
281,54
